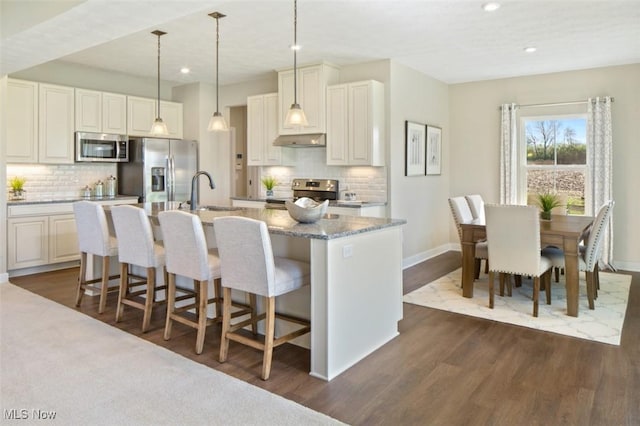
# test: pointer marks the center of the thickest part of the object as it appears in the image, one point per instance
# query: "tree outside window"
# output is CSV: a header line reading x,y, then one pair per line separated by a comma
x,y
556,158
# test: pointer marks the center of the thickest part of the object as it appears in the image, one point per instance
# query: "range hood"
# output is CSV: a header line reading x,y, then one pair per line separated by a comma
x,y
301,141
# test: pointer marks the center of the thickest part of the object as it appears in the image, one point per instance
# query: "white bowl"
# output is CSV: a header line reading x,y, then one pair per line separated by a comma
x,y
305,210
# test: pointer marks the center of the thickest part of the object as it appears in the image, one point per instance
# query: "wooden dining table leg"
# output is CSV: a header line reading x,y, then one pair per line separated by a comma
x,y
468,267
572,275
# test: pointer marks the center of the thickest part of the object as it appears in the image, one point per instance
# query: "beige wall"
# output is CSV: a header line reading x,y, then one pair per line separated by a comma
x,y
475,135
4,276
421,200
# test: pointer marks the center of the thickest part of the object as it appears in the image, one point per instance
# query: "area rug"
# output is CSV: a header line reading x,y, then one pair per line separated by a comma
x,y
603,324
58,364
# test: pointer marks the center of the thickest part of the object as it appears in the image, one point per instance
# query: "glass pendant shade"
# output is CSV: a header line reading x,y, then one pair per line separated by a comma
x,y
296,117
159,128
217,123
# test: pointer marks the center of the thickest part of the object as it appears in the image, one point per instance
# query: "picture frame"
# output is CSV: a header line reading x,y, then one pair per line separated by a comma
x,y
415,149
434,150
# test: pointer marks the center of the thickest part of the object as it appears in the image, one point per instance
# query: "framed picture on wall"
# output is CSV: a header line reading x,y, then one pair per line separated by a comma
x,y
434,150
414,154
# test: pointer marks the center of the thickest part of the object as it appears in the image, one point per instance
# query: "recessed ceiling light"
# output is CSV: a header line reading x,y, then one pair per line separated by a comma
x,y
295,47
490,7
185,70
530,49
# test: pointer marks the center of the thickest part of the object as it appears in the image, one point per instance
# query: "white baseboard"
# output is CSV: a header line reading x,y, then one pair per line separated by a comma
x,y
426,255
4,278
627,266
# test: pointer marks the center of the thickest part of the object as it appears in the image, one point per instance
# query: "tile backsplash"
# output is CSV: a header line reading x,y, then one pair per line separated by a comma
x,y
44,181
369,183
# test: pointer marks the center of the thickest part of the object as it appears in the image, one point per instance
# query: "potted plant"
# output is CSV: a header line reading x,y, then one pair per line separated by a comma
x,y
547,202
269,183
17,187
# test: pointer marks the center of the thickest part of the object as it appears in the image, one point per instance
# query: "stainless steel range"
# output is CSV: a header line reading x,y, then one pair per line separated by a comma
x,y
316,189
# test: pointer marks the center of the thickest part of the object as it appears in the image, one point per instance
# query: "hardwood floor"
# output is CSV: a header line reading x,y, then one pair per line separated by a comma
x,y
443,368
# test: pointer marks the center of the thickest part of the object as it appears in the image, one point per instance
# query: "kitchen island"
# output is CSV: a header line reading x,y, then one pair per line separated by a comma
x,y
355,298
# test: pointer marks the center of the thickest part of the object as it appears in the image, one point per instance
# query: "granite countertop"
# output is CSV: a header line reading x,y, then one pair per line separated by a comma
x,y
280,223
332,203
49,200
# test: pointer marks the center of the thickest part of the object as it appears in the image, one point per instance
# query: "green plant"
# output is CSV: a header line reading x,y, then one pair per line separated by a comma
x,y
547,202
17,183
269,182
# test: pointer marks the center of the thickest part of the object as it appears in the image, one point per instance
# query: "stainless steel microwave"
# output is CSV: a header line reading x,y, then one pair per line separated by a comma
x,y
101,147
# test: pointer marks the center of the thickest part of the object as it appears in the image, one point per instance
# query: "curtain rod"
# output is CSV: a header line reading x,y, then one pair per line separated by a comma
x,y
555,104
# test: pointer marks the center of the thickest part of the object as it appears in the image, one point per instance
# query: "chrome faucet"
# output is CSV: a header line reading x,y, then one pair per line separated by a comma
x,y
194,198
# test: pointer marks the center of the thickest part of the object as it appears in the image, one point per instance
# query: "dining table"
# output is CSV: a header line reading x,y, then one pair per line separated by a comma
x,y
562,231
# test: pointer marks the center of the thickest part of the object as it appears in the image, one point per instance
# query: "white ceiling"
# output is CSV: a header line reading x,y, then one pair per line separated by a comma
x,y
452,40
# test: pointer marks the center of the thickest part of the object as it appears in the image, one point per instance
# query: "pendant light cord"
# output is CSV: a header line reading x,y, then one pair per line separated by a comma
x,y
217,69
159,75
295,50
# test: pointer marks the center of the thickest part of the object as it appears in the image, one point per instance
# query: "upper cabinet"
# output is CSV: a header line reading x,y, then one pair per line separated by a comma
x,y
55,124
312,85
262,130
22,121
101,112
142,113
355,124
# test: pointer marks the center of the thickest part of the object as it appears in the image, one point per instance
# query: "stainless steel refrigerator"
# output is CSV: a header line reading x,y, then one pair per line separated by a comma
x,y
159,169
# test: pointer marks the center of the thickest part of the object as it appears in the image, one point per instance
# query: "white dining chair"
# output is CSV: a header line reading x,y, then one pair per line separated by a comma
x,y
94,239
248,264
513,237
136,246
462,214
589,257
476,205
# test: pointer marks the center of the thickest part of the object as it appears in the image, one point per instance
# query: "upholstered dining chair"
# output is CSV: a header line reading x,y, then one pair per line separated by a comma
x,y
513,237
462,214
476,205
136,246
94,239
248,264
589,256
187,256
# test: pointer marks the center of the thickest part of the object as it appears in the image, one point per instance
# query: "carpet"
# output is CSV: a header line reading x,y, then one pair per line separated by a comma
x,y
604,324
58,364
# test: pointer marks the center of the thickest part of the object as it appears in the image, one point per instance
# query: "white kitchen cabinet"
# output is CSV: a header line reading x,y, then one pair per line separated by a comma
x,y
56,108
22,121
142,112
257,204
63,238
262,130
312,84
101,112
27,242
355,124
171,113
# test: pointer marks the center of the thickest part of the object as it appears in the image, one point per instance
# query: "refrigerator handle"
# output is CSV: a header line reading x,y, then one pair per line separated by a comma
x,y
171,183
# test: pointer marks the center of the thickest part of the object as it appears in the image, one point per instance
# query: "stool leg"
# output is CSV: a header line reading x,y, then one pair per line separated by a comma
x,y
82,277
226,323
150,298
124,285
202,315
268,336
254,314
171,305
105,284
217,287
536,291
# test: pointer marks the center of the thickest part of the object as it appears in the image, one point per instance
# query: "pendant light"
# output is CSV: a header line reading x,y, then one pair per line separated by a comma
x,y
295,115
159,128
217,122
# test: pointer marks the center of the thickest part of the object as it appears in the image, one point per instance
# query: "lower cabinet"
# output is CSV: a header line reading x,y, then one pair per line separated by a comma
x,y
44,234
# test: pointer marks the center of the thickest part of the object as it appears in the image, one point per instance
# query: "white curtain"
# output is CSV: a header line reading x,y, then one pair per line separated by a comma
x,y
599,165
508,156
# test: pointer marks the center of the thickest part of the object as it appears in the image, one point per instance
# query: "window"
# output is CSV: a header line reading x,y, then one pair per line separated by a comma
x,y
554,158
